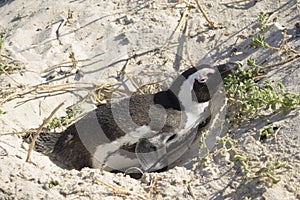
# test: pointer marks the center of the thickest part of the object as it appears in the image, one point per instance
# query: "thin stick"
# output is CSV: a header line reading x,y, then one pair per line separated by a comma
x,y
63,63
134,83
57,31
283,62
122,71
235,2
46,88
257,78
180,24
6,56
18,133
9,76
39,131
16,95
187,33
276,132
211,24
73,60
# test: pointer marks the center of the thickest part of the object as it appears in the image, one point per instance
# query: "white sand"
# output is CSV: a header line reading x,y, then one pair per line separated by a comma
x,y
105,32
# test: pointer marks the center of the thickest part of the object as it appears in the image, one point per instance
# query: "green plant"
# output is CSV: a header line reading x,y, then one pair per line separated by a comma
x,y
4,66
259,41
252,63
65,120
50,184
271,170
7,68
246,161
262,21
266,132
238,156
2,35
250,98
2,112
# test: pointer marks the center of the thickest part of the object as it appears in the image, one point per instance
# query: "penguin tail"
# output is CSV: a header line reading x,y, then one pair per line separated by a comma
x,y
45,142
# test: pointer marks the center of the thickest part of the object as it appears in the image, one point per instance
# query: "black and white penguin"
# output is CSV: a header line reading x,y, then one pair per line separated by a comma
x,y
149,131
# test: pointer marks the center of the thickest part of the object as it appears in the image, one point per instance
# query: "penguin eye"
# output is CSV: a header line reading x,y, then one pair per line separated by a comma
x,y
210,74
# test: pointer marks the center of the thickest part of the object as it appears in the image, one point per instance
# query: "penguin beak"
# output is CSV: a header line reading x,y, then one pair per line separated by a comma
x,y
204,75
224,69
228,68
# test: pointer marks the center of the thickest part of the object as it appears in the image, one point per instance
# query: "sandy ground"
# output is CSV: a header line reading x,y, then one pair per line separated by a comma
x,y
103,34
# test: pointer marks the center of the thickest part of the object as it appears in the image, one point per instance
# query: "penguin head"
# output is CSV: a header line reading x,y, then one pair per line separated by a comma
x,y
204,80
209,79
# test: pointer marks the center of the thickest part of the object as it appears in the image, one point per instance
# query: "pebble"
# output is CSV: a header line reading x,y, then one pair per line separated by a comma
x,y
125,20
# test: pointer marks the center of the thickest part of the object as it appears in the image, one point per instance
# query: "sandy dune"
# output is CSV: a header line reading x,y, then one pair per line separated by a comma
x,y
103,35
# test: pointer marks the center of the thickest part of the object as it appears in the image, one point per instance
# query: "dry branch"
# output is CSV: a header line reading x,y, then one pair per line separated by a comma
x,y
48,89
64,63
211,24
39,131
18,132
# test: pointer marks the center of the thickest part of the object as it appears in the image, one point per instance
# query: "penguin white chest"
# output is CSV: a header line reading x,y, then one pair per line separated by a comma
x,y
196,113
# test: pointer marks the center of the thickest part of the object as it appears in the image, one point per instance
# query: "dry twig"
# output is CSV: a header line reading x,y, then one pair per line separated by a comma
x,y
180,25
7,74
237,2
39,131
64,63
41,89
283,62
211,24
19,132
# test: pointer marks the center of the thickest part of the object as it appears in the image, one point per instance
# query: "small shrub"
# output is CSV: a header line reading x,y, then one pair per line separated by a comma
x,y
251,98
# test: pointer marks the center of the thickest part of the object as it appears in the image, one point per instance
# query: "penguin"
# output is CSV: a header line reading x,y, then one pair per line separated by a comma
x,y
145,131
